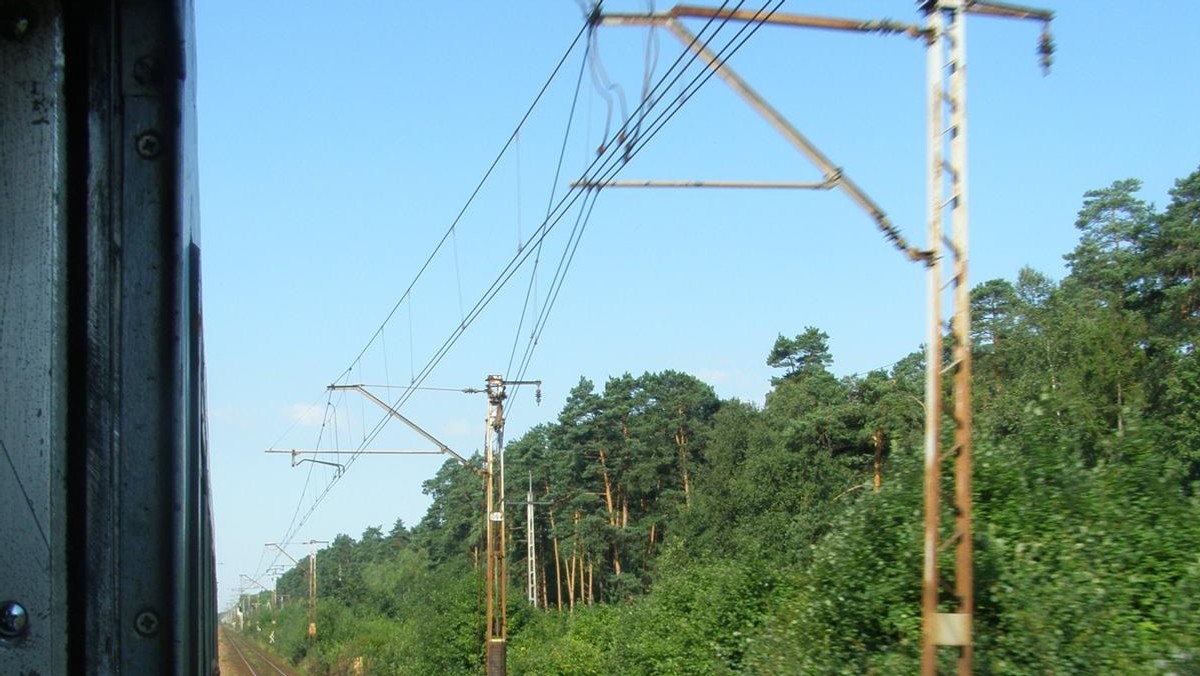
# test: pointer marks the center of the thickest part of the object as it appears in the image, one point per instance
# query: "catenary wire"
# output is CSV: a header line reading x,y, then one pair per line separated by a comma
x,y
658,123
547,225
553,295
562,153
613,163
478,187
424,266
640,113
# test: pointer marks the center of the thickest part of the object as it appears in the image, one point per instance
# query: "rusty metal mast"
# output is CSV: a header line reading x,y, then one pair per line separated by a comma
x,y
946,72
496,599
312,586
497,563
312,576
496,628
312,589
946,65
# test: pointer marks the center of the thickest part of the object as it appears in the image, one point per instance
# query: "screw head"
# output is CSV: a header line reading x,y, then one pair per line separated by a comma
x,y
148,145
146,623
14,620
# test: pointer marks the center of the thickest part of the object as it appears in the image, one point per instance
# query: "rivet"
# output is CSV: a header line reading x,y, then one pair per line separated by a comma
x,y
14,620
147,71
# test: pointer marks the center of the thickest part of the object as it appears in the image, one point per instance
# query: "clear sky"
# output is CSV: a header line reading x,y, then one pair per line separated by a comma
x,y
338,142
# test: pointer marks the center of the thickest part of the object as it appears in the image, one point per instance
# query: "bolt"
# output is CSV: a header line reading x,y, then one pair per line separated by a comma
x,y
148,145
14,620
146,623
147,71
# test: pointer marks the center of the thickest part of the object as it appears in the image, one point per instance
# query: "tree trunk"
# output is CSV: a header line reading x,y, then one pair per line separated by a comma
x,y
576,562
571,585
878,438
681,442
1120,409
582,585
557,566
545,596
1050,365
608,492
591,579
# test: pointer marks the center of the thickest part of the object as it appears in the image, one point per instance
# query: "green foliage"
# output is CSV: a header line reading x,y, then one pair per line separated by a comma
x,y
613,473
452,529
581,643
702,536
1175,254
698,619
1095,587
856,607
1115,225
994,311
805,353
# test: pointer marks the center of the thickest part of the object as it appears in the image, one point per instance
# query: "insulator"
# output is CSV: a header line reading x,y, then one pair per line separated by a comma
x,y
1046,50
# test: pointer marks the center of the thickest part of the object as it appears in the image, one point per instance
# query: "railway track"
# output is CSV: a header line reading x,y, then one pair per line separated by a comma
x,y
239,657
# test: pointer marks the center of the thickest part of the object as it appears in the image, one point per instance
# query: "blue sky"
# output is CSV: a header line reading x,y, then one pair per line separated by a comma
x,y
337,144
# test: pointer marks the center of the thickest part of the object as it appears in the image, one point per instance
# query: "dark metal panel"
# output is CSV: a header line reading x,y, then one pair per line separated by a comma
x,y
33,381
144,600
151,318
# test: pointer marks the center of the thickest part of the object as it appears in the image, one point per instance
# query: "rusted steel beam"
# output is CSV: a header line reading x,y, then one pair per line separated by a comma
x,y
801,143
792,185
882,26
1007,10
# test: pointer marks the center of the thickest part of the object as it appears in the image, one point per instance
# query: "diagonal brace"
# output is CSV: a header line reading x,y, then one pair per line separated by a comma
x,y
833,175
415,427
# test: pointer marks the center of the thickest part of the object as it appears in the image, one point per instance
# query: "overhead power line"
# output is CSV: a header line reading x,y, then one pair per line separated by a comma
x,y
470,199
611,160
610,163
665,116
562,153
295,524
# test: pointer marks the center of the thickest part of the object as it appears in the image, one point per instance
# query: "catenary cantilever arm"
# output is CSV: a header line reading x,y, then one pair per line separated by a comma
x,y
415,427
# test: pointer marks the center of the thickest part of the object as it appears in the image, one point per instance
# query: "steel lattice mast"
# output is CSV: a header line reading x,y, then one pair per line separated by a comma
x,y
949,621
944,36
